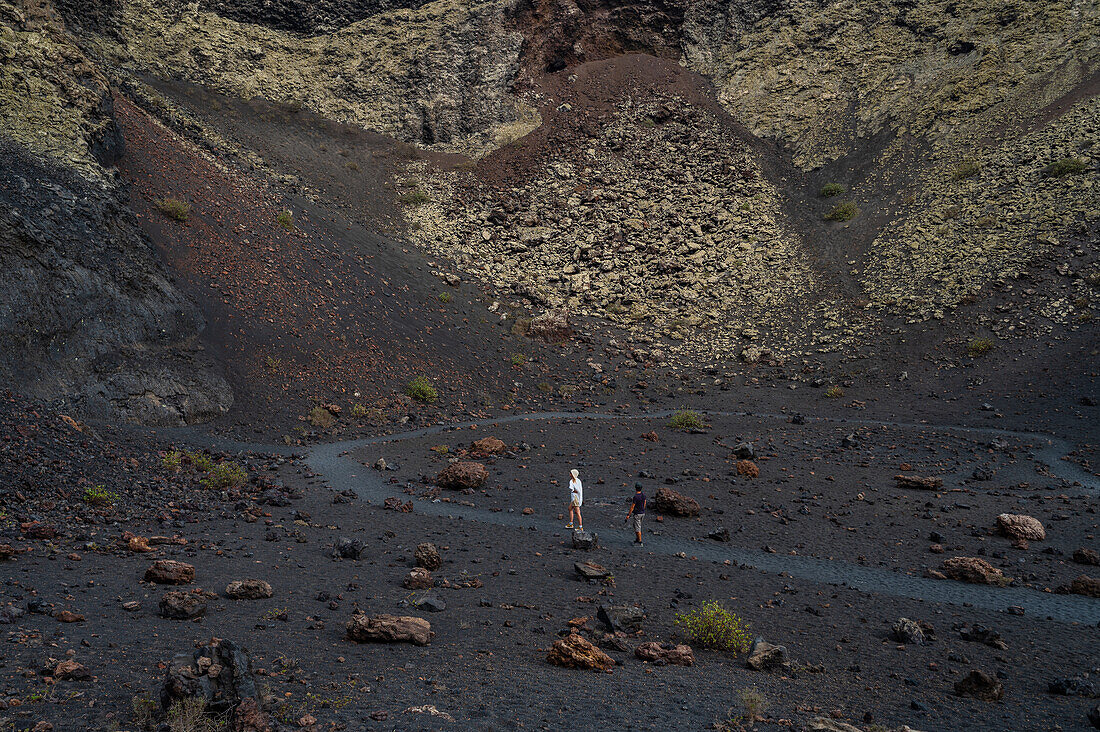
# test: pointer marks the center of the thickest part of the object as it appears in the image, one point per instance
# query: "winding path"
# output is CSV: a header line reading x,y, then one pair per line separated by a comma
x,y
331,462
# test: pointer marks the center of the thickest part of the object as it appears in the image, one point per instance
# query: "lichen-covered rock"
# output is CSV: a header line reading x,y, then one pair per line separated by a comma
x,y
669,653
1019,526
764,656
1082,585
418,578
916,482
552,326
248,590
182,605
488,446
980,685
427,556
462,475
575,651
389,629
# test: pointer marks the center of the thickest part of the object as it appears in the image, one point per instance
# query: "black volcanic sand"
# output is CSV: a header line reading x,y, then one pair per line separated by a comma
x,y
486,664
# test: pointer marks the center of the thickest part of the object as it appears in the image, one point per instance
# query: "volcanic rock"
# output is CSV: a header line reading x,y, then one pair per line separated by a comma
x,y
720,534
418,578
913,632
430,603
1018,526
980,685
552,326
170,572
591,570
585,540
219,673
668,653
621,618
248,590
915,482
984,635
182,605
427,556
389,629
462,475
70,670
1081,585
6,552
668,501
576,652
1075,686
1086,556
487,446
764,656
349,549
973,570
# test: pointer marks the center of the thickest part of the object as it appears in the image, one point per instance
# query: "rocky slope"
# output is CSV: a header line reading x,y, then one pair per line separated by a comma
x,y
89,317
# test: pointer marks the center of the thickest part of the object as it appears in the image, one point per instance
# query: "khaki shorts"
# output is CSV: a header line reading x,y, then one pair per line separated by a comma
x,y
637,517
576,503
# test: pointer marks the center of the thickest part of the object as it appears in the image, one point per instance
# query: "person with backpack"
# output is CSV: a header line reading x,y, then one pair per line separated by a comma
x,y
637,512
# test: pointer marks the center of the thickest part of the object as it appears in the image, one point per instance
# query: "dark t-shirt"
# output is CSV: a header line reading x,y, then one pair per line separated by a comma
x,y
639,503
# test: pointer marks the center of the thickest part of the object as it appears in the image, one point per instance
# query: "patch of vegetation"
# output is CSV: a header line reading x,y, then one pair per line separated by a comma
x,y
285,219
834,392
686,420
440,449
143,711
353,166
172,461
979,347
845,211
99,496
321,418
831,189
518,359
414,196
173,208
648,123
274,364
358,411
201,461
189,715
422,390
225,475
966,169
1065,166
277,613
713,626
445,297
545,387
754,704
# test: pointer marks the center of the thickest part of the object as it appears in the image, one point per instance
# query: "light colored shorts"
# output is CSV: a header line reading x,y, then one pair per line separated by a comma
x,y
576,503
637,517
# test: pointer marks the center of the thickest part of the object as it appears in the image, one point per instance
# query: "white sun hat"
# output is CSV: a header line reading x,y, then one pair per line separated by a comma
x,y
574,473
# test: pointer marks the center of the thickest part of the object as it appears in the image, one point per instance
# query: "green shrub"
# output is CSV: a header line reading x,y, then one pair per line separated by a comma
x,y
422,390
274,364
518,359
358,411
225,475
686,419
201,461
831,189
172,461
415,196
713,626
754,703
286,220
99,496
444,297
321,417
1065,166
845,211
979,347
966,169
173,208
834,392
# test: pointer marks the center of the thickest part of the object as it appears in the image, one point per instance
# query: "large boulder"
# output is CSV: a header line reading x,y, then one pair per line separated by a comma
x,y
585,540
973,570
668,653
668,501
764,656
182,605
220,674
427,556
170,572
462,475
621,618
418,578
248,590
552,326
576,652
1019,526
487,446
389,629
1087,556
980,685
1081,585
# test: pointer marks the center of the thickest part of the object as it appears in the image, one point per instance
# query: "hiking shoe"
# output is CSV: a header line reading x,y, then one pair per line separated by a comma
x,y
569,526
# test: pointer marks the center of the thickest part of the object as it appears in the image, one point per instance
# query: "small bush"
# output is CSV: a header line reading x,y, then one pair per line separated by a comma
x,y
979,347
189,715
173,208
144,711
274,364
713,626
285,219
353,166
831,189
545,387
172,461
99,496
322,418
754,703
1065,166
964,170
518,359
201,461
686,420
444,297
415,196
224,476
845,211
422,390
834,392
358,411
440,449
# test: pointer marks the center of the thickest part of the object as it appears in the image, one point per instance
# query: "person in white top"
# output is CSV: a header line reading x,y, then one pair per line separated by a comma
x,y
576,498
